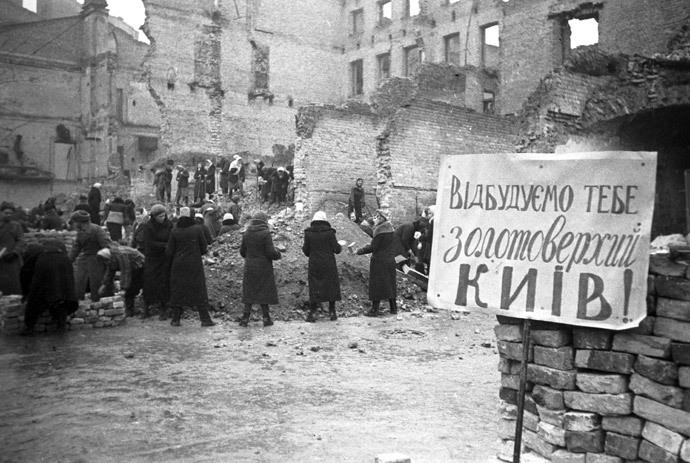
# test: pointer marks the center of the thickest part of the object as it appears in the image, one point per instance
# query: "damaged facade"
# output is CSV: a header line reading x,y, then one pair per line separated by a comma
x,y
73,108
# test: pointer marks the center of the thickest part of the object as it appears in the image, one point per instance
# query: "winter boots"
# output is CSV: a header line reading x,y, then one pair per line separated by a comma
x,y
266,315
244,321
176,313
311,318
163,315
129,306
205,317
393,305
331,310
374,312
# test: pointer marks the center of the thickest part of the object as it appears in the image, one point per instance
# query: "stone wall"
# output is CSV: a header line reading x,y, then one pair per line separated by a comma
x,y
109,311
605,396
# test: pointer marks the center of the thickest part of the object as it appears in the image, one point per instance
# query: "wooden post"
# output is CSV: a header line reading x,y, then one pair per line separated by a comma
x,y
521,393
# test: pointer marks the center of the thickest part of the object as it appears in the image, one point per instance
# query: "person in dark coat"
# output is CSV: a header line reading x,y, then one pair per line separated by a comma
x,y
427,237
154,238
406,236
115,218
266,183
224,167
51,220
182,186
229,224
88,270
258,282
199,184
187,280
94,200
11,250
356,201
321,246
280,186
47,282
235,209
83,205
210,177
382,284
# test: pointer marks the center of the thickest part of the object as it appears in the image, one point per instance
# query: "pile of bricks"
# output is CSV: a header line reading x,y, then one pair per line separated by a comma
x,y
601,396
66,236
109,311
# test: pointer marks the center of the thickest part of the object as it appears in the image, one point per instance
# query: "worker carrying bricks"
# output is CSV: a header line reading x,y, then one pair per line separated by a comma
x,y
130,263
47,281
356,201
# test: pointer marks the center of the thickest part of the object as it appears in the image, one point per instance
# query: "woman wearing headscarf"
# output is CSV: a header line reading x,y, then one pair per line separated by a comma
x,y
187,280
382,283
154,237
258,283
228,224
321,246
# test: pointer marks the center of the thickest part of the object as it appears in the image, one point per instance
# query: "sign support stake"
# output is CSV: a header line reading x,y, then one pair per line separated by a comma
x,y
521,394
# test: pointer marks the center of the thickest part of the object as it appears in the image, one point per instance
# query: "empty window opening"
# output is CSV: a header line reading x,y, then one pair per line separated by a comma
x,y
412,7
291,102
488,102
384,66
385,11
490,45
453,16
120,104
583,32
356,77
357,21
452,48
30,5
414,56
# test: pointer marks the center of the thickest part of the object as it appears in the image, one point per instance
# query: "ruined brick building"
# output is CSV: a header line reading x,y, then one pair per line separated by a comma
x,y
382,89
71,104
397,83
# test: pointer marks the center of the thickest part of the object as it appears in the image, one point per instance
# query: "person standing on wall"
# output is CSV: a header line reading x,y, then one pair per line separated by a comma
x,y
382,284
356,201
94,200
11,249
187,279
321,246
258,282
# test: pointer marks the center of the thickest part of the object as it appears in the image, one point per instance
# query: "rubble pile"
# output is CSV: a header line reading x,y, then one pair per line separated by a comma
x,y
601,395
224,270
109,311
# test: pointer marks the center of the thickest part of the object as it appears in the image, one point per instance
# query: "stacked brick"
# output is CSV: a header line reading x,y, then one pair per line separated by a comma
x,y
66,236
601,396
109,311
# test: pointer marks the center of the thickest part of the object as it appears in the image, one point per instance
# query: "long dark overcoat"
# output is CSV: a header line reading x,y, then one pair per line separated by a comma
x,y
47,277
382,263
259,282
187,280
200,183
94,200
154,237
321,246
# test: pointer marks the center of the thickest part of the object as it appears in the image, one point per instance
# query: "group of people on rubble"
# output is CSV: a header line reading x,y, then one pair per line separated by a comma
x,y
161,254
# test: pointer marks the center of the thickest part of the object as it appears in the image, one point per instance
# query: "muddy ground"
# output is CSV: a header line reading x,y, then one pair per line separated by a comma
x,y
424,384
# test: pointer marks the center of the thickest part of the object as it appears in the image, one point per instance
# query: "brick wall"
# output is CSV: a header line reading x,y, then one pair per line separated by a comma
x,y
398,156
600,395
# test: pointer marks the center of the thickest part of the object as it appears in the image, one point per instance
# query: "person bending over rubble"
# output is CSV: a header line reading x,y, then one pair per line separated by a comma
x,y
90,239
382,283
258,282
228,224
130,263
187,280
321,246
47,282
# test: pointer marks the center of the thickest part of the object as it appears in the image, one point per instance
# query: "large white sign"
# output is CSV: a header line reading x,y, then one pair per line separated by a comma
x,y
562,238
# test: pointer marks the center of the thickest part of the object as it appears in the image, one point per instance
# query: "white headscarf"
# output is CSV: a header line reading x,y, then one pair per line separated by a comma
x,y
104,253
320,215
